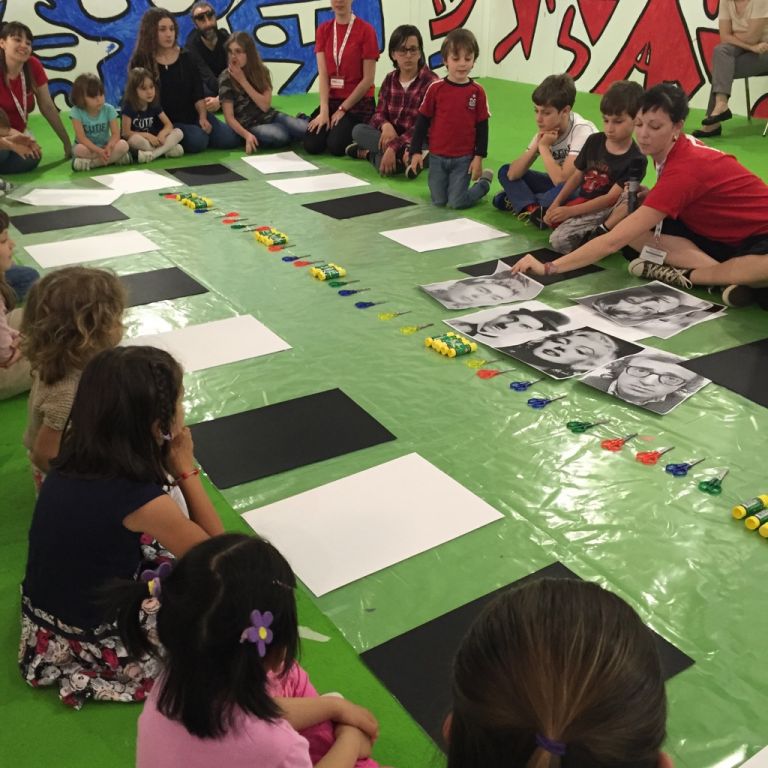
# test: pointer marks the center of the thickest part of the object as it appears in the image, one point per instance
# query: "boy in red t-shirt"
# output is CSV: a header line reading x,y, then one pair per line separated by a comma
x,y
455,111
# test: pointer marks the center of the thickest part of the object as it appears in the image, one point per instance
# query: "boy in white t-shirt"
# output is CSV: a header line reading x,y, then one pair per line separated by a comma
x,y
560,136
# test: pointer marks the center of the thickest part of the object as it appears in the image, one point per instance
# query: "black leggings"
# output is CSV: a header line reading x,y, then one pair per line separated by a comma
x,y
337,139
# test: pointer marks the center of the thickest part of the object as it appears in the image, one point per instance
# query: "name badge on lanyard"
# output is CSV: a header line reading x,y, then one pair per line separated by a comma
x,y
22,110
337,81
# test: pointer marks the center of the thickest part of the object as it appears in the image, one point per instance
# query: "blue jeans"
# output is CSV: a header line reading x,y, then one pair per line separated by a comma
x,y
283,130
534,188
449,182
10,162
21,278
196,139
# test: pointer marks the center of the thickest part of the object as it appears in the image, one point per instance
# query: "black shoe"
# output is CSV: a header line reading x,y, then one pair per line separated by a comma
x,y
715,119
537,218
598,231
738,295
699,134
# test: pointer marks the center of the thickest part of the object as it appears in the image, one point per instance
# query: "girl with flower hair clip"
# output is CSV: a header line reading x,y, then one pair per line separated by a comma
x,y
230,691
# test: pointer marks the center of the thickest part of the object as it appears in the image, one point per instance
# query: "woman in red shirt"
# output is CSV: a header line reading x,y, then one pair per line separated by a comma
x,y
347,51
22,79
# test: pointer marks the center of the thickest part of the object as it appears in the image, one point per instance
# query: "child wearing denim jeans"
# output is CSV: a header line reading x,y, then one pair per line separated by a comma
x,y
560,135
455,112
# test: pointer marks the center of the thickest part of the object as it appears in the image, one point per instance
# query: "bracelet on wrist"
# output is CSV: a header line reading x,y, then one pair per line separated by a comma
x,y
185,476
550,268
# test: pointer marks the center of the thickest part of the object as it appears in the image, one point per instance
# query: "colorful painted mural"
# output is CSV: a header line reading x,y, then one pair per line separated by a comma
x,y
597,41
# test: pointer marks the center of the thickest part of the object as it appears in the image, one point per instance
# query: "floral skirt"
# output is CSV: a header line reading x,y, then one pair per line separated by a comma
x,y
84,664
90,664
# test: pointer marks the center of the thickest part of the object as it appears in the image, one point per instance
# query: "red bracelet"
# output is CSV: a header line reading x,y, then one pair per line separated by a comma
x,y
186,475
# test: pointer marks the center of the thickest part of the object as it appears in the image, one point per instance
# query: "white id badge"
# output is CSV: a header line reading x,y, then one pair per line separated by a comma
x,y
337,83
656,255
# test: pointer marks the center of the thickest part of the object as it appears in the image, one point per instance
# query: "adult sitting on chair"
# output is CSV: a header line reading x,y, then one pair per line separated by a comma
x,y
742,52
206,44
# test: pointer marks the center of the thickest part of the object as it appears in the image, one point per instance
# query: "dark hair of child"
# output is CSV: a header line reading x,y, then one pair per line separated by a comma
x,y
136,78
459,41
86,84
400,36
123,394
558,91
205,606
623,96
558,672
669,98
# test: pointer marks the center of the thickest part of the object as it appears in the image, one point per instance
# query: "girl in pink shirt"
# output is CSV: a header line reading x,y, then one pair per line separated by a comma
x,y
231,692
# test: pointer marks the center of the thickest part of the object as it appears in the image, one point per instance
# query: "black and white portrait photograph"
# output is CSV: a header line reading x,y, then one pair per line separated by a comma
x,y
667,327
571,353
643,303
651,379
499,287
503,326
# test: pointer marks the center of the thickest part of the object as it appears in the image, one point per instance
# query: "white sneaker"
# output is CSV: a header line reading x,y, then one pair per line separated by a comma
x,y
177,151
146,156
126,159
5,187
81,164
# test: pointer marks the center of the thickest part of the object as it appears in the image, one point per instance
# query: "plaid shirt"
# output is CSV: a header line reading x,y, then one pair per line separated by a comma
x,y
400,107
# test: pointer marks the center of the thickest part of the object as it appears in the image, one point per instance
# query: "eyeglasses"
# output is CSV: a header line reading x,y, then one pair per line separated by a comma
x,y
665,378
408,50
204,15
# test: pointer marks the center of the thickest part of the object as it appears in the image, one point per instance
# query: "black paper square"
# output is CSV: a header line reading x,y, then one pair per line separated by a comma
x,y
254,444
66,218
358,205
200,175
159,285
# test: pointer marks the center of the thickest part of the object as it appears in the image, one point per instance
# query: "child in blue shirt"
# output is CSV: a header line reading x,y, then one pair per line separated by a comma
x,y
146,127
97,131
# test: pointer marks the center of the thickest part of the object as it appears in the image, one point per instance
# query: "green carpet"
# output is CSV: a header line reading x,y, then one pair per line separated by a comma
x,y
670,551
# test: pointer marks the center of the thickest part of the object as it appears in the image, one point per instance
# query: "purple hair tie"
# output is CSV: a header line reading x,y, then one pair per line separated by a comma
x,y
153,578
550,745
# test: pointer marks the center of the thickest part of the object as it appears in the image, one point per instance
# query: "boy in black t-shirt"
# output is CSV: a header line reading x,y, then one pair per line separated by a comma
x,y
602,168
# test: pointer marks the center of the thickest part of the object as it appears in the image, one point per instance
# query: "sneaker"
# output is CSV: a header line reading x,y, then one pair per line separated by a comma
x,y
486,175
412,173
146,156
81,164
737,295
126,159
353,150
501,202
175,151
537,218
662,272
6,187
527,212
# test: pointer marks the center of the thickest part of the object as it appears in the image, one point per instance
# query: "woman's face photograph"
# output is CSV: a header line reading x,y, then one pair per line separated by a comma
x,y
578,349
481,290
638,306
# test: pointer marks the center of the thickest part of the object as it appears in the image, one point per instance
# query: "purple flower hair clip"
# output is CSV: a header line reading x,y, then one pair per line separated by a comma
x,y
153,578
259,632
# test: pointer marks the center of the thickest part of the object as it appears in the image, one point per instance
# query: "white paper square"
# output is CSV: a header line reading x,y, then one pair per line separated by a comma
x,y
219,342
96,248
68,197
279,162
760,760
137,181
348,529
443,234
322,183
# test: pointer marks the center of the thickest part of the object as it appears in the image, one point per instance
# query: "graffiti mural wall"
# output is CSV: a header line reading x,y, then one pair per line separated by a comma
x,y
597,41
